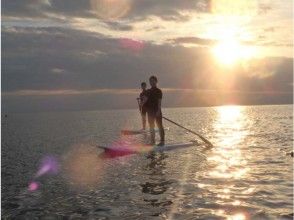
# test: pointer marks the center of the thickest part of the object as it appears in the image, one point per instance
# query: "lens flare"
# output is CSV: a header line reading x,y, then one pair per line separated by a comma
x,y
110,9
130,44
49,165
33,186
83,166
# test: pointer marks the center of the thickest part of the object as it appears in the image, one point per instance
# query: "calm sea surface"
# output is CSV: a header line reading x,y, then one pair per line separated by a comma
x,y
52,169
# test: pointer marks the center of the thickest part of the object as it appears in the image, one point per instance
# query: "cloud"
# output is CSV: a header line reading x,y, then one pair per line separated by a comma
x,y
58,71
143,8
133,92
264,8
25,8
137,9
262,41
62,63
140,18
39,8
114,101
28,64
119,26
72,53
193,40
270,29
68,92
90,61
132,11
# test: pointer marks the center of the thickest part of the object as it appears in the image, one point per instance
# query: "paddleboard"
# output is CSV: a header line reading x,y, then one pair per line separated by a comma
x,y
137,149
141,131
134,132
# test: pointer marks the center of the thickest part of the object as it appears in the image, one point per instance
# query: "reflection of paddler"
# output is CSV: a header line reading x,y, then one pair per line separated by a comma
x,y
142,103
157,184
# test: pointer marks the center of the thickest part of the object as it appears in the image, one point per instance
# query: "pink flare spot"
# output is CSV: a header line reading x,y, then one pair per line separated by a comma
x,y
44,170
117,153
33,186
121,148
133,45
48,165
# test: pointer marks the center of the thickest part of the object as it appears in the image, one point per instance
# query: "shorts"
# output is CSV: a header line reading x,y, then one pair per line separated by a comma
x,y
152,118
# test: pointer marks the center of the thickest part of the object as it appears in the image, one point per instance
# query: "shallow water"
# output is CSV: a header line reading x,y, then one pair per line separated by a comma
x,y
247,175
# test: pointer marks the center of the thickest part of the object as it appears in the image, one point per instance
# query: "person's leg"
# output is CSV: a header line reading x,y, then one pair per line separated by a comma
x,y
144,121
161,129
151,120
144,118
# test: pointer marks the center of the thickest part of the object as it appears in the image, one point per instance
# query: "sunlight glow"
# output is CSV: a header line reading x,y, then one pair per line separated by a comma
x,y
238,216
231,51
231,37
233,7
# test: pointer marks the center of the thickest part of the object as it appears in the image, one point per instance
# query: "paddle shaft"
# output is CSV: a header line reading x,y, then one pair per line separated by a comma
x,y
193,132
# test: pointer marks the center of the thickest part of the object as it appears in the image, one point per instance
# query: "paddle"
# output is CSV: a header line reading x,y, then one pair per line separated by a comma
x,y
193,132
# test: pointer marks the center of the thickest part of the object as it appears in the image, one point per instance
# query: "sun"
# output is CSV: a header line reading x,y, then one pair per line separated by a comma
x,y
228,52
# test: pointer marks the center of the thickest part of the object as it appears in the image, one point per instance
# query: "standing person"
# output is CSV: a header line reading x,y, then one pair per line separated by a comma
x,y
142,103
153,104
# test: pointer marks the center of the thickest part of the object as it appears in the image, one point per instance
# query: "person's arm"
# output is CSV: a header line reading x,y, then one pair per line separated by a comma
x,y
144,100
144,97
139,104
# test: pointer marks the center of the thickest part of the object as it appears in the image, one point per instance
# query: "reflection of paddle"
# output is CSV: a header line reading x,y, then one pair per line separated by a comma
x,y
193,132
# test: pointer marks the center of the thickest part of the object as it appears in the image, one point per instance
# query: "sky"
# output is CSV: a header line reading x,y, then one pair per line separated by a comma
x,y
60,55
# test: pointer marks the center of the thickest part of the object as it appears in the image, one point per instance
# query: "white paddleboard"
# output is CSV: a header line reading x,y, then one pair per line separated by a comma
x,y
141,131
137,149
134,132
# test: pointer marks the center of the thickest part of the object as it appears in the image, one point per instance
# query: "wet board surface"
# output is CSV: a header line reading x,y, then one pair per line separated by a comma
x,y
134,132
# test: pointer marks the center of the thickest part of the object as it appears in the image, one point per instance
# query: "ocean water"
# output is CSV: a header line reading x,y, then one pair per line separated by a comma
x,y
52,169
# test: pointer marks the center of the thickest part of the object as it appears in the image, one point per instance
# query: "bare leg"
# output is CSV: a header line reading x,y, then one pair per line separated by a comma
x,y
144,121
151,120
161,129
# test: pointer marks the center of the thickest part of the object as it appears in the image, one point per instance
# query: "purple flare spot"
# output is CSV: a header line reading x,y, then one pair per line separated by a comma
x,y
33,186
48,165
133,45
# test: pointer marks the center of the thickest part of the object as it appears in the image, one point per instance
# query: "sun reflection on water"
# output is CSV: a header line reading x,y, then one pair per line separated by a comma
x,y
229,163
229,113
238,216
228,159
